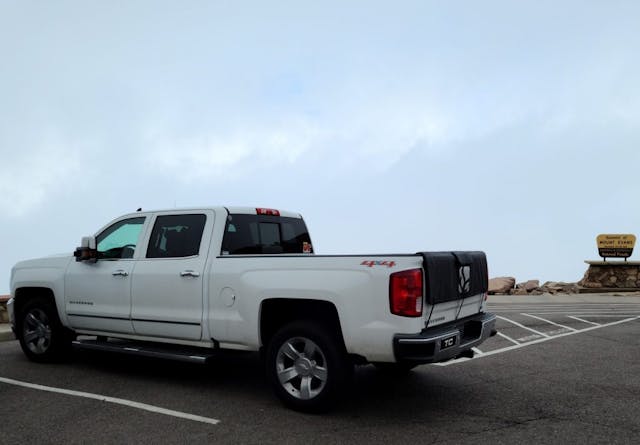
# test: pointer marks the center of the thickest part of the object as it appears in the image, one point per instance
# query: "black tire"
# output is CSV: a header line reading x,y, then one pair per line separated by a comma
x,y
307,366
394,369
42,336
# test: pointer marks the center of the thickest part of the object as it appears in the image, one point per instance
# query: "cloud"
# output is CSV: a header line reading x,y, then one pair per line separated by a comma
x,y
32,176
229,154
310,105
337,133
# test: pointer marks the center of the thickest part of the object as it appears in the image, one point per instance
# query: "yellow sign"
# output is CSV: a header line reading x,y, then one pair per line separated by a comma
x,y
616,246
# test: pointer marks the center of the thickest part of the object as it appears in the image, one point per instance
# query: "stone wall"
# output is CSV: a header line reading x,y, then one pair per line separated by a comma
x,y
617,275
4,315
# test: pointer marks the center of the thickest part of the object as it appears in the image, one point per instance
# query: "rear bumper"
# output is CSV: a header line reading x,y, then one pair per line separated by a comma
x,y
444,342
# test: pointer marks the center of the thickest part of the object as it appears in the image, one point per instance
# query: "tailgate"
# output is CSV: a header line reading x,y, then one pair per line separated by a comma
x,y
455,285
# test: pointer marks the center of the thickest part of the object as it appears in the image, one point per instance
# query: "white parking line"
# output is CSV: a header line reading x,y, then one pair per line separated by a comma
x,y
508,338
534,342
548,321
522,326
477,351
583,320
129,403
605,315
511,306
593,313
529,338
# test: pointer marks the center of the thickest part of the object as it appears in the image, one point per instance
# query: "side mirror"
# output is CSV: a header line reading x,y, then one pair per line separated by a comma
x,y
87,250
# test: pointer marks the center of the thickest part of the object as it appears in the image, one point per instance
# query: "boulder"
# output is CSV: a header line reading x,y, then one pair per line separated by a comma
x,y
501,285
554,287
529,285
4,315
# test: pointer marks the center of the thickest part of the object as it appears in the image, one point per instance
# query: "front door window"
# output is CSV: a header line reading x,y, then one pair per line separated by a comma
x,y
120,239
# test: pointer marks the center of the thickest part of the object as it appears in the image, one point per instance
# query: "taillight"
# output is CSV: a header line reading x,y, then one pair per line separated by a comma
x,y
270,212
405,293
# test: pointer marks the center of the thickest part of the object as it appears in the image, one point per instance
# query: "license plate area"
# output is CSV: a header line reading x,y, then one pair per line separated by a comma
x,y
448,342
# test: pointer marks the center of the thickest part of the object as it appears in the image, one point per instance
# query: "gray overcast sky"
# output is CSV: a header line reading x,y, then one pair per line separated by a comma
x,y
397,126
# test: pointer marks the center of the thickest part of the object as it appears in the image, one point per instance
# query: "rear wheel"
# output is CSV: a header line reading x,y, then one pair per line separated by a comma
x,y
307,366
42,336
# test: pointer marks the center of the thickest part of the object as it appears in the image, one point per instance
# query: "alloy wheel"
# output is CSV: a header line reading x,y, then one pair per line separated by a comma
x,y
37,331
301,368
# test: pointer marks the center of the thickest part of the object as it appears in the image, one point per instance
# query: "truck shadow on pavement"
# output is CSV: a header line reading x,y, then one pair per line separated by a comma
x,y
238,379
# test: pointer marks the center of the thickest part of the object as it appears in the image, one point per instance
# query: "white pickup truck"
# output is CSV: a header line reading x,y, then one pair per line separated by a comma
x,y
192,284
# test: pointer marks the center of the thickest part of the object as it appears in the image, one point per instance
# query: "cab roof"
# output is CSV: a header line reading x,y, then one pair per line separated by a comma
x,y
243,210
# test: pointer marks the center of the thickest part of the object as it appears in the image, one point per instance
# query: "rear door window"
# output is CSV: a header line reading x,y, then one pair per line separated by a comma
x,y
176,236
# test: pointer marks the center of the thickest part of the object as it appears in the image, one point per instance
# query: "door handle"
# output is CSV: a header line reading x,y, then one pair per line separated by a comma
x,y
120,273
189,273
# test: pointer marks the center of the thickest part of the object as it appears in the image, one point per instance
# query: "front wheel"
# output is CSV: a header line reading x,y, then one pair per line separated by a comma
x,y
307,366
42,336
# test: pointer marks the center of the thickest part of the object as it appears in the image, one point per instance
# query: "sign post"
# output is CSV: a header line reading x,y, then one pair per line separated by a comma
x,y
616,246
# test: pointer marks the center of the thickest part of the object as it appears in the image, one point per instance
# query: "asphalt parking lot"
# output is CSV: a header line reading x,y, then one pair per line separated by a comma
x,y
562,370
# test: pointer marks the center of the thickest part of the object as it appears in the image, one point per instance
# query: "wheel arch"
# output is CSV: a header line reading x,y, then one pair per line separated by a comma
x,y
277,312
23,295
56,339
